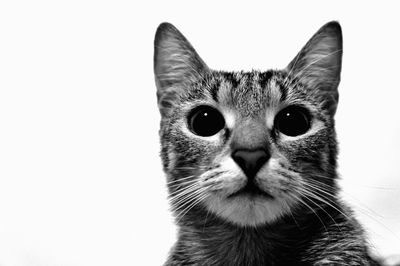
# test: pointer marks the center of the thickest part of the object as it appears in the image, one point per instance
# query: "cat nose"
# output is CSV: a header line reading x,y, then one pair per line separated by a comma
x,y
251,160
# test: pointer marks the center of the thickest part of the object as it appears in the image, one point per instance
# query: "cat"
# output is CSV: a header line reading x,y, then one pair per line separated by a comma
x,y
251,157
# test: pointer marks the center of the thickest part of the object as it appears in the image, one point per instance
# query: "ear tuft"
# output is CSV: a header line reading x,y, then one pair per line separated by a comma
x,y
318,64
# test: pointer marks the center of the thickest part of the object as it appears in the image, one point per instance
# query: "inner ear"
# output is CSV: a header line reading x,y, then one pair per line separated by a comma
x,y
318,64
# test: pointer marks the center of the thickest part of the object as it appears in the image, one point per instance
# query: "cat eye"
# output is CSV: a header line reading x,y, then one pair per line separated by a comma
x,y
205,121
292,121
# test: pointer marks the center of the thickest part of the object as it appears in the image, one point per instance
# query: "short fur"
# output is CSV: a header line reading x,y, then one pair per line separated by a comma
x,y
304,223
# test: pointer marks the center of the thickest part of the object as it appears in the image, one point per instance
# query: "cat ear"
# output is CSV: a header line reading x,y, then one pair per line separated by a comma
x,y
319,63
176,64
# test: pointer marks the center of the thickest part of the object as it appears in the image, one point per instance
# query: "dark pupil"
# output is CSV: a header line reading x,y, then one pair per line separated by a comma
x,y
292,121
206,121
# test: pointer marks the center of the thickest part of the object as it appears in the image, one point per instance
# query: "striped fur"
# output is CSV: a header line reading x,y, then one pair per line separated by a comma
x,y
304,223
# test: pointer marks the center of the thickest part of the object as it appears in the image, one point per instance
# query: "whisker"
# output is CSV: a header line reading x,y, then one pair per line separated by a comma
x,y
312,196
294,219
316,186
187,196
309,207
324,199
183,191
362,208
185,202
196,201
186,167
185,183
180,187
318,183
183,195
180,179
371,187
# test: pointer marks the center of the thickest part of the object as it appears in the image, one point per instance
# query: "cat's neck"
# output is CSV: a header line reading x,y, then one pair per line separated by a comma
x,y
217,241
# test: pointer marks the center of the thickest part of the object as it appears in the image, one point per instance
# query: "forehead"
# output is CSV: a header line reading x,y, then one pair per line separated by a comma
x,y
247,92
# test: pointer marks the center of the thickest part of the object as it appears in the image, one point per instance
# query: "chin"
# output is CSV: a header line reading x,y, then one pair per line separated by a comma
x,y
248,210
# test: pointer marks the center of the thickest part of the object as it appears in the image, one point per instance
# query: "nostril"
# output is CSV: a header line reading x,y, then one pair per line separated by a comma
x,y
240,161
250,161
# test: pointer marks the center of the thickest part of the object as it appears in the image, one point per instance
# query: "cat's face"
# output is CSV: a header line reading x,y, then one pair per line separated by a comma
x,y
249,147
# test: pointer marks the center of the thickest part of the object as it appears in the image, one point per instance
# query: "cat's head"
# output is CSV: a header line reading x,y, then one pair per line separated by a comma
x,y
248,147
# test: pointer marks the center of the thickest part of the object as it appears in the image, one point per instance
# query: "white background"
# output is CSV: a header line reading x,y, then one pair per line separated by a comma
x,y
80,176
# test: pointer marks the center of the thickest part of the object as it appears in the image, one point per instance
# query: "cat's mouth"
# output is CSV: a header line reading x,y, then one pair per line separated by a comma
x,y
251,190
